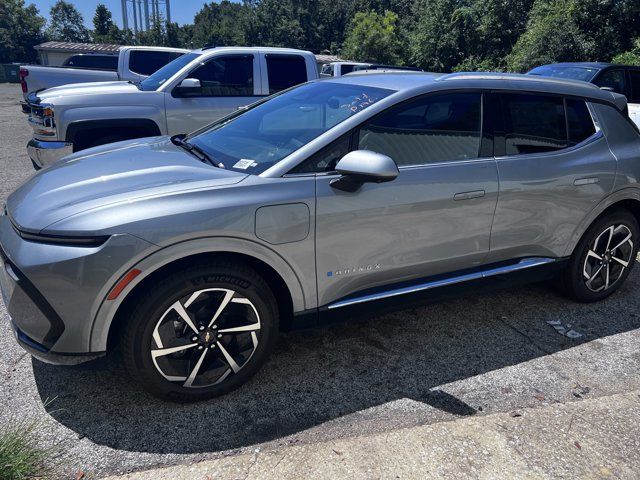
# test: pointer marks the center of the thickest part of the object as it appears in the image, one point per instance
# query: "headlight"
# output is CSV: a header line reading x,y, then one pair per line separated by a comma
x,y
42,119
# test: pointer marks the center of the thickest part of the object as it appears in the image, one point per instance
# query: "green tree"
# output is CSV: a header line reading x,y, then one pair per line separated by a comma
x,y
552,35
497,25
220,24
443,30
20,29
609,25
373,37
632,57
104,30
66,24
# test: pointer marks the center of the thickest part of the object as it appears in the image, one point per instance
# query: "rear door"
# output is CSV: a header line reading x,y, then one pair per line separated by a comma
x,y
281,71
554,166
435,217
228,81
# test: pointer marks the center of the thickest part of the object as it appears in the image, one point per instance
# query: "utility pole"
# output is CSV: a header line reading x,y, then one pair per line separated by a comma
x,y
143,11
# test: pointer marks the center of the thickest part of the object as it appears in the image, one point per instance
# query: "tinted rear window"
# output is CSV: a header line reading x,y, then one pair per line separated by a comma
x,y
534,123
634,76
98,62
146,62
579,121
285,71
585,74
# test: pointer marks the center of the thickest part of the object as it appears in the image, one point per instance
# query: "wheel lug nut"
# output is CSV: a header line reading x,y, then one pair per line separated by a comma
x,y
194,338
200,347
219,335
212,346
201,328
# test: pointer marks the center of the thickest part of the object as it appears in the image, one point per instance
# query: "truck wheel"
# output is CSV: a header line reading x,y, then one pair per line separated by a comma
x,y
201,332
603,258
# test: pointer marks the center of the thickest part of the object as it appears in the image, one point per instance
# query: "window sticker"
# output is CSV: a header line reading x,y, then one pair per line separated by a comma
x,y
244,163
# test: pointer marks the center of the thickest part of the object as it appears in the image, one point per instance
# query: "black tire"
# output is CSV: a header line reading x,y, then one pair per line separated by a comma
x,y
574,279
155,314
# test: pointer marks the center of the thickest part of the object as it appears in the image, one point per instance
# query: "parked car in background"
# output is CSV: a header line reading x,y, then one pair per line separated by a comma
x,y
132,64
337,69
184,95
623,79
353,194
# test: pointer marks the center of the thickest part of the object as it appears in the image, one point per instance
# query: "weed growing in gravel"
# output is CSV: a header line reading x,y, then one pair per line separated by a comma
x,y
20,456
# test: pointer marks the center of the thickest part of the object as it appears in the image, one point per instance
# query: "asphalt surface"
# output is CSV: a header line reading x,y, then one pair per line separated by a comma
x,y
478,354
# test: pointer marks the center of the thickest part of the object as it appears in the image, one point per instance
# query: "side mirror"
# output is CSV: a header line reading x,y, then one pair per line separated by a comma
x,y
363,166
188,87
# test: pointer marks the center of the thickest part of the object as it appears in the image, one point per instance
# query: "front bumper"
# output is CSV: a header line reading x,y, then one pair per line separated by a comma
x,y
51,292
43,153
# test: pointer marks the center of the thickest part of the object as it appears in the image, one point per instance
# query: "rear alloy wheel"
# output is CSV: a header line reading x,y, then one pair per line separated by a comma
x,y
604,258
211,331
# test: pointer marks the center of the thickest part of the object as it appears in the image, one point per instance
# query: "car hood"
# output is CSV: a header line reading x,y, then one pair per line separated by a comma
x,y
119,173
79,89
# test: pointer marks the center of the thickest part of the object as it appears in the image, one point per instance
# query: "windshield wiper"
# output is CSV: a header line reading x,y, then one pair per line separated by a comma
x,y
195,150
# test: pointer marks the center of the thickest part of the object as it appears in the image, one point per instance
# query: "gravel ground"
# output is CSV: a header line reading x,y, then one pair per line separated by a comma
x,y
469,356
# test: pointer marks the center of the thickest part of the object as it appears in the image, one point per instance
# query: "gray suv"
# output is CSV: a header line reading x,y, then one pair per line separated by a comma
x,y
363,192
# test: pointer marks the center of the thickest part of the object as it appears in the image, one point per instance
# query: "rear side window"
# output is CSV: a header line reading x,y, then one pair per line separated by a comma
x,y
98,62
285,71
226,76
613,79
146,62
579,122
433,129
634,77
533,124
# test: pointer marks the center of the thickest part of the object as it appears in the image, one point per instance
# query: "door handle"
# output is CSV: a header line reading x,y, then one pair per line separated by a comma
x,y
585,181
468,195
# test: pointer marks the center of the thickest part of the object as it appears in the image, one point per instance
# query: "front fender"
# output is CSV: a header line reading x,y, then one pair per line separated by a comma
x,y
82,115
628,193
106,313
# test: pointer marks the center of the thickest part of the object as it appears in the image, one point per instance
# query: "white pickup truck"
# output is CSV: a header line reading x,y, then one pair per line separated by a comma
x,y
184,95
134,64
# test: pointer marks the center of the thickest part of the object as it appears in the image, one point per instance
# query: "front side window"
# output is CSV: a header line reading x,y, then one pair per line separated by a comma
x,y
436,128
613,79
533,124
160,77
146,62
226,76
263,135
285,71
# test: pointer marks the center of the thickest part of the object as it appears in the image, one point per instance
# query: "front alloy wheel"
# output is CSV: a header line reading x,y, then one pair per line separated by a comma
x,y
201,332
603,258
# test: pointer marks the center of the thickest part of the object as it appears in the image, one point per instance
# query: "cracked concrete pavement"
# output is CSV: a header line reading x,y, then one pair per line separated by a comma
x,y
480,354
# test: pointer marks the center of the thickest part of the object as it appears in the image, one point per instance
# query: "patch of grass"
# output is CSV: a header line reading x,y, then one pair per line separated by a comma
x,y
20,456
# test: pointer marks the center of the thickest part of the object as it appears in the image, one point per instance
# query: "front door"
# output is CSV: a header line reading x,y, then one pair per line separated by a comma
x,y
227,82
435,217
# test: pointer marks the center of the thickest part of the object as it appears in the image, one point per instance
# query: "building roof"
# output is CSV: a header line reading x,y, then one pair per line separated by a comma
x,y
322,58
78,47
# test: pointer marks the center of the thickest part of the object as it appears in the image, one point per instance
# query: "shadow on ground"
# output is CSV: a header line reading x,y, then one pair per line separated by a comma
x,y
323,374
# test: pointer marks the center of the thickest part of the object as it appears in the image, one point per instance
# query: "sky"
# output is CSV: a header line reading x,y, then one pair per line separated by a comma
x,y
182,11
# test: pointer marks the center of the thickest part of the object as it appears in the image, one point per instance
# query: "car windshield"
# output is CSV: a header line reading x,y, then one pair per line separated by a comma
x,y
158,78
253,141
585,74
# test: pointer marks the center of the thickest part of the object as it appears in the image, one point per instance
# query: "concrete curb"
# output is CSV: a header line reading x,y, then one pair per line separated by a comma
x,y
595,438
